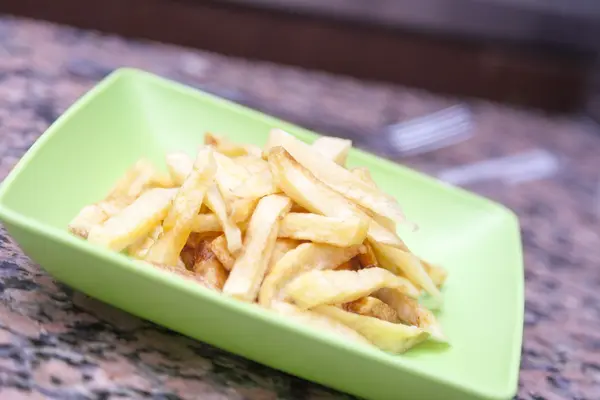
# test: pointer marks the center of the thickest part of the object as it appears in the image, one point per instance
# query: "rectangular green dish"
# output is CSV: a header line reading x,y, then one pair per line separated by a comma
x,y
132,114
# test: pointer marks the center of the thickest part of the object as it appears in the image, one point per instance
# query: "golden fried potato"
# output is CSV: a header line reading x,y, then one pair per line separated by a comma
x,y
135,221
140,248
208,266
372,307
179,221
206,223
288,227
216,203
229,174
135,180
302,226
140,177
89,217
179,165
229,148
411,312
192,248
406,263
296,208
302,187
258,185
219,248
318,321
368,259
321,229
337,287
350,265
250,267
333,148
188,257
242,209
363,174
304,257
437,274
252,163
394,338
282,246
337,177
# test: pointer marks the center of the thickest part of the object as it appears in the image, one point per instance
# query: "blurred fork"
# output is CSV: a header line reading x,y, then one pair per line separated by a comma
x,y
434,131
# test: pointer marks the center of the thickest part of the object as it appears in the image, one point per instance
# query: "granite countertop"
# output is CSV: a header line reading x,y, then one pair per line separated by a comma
x,y
58,343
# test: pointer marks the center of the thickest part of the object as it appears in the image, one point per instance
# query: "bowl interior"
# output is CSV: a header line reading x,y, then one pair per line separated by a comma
x,y
134,114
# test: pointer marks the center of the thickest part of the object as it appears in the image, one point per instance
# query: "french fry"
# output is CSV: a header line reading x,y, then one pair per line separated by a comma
x,y
252,164
206,223
318,321
219,248
411,312
136,179
337,177
162,180
208,266
134,222
394,338
363,174
303,258
282,246
288,227
216,203
140,248
400,261
337,287
350,265
301,226
242,209
372,307
179,222
296,208
368,258
258,185
259,182
188,257
229,174
382,221
179,165
437,274
192,248
321,229
333,148
306,190
229,148
250,267
224,145
89,217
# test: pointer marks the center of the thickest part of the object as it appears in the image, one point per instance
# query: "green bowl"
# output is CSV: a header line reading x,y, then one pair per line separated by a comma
x,y
132,114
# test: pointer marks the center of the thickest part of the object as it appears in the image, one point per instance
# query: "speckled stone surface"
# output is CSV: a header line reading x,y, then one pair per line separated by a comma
x,y
58,343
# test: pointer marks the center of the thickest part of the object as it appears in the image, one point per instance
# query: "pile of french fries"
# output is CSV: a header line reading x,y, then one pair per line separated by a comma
x,y
288,227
